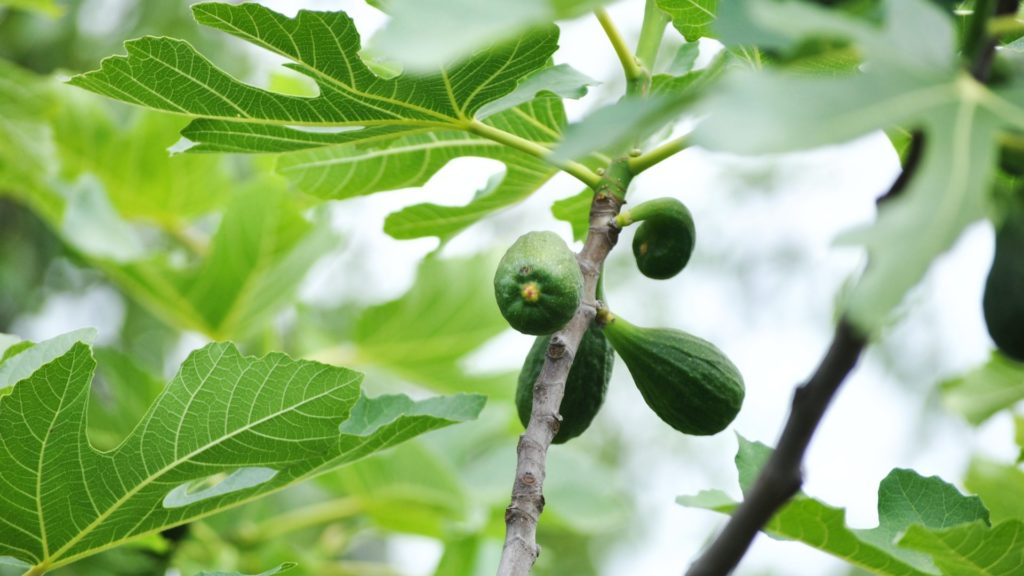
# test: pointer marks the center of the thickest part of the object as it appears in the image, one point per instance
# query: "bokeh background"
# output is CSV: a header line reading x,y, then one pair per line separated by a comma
x,y
762,286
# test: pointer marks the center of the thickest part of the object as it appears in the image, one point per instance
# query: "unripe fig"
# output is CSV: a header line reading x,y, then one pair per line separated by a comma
x,y
538,283
585,386
1003,301
688,382
665,239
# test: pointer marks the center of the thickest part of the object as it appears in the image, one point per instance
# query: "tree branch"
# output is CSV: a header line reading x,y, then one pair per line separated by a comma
x,y
521,516
781,476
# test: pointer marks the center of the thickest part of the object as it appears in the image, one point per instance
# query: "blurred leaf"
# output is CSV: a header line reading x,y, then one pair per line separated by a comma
x,y
584,497
48,7
11,567
458,28
94,226
905,82
906,501
616,128
410,489
693,18
1018,422
121,393
242,427
982,392
561,80
11,345
447,313
26,146
1000,486
278,570
576,211
28,250
130,159
259,255
783,26
684,59
16,367
462,558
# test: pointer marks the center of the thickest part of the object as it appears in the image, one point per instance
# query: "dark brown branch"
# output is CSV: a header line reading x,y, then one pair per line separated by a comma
x,y
523,513
781,476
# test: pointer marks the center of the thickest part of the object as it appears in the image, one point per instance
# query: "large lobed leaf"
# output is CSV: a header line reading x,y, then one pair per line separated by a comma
x,y
926,526
370,133
227,429
170,75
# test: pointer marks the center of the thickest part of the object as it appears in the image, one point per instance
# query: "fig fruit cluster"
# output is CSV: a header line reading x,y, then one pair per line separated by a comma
x,y
688,382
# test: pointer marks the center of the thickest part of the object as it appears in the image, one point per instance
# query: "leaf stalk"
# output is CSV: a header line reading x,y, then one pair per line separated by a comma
x,y
651,32
580,171
657,155
638,79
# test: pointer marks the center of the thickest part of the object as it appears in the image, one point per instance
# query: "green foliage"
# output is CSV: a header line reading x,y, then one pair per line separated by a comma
x,y
576,211
201,242
616,128
403,129
905,82
23,359
460,28
278,570
49,7
995,386
693,18
423,335
193,453
926,526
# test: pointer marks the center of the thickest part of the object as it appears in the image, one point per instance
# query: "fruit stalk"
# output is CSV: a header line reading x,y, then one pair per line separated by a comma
x,y
522,514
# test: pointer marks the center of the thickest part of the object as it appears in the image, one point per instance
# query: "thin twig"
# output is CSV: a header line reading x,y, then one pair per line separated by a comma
x,y
523,513
655,156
